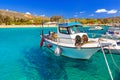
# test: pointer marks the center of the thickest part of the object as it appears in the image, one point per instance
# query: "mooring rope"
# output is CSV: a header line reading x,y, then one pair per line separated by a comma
x,y
110,73
114,59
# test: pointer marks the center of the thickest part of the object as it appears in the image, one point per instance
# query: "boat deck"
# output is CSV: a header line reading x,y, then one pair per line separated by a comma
x,y
67,42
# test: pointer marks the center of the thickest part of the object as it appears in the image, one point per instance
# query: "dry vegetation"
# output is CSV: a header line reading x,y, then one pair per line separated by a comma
x,y
17,18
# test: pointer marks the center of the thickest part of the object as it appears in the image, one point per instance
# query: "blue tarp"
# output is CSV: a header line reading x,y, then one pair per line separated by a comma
x,y
69,24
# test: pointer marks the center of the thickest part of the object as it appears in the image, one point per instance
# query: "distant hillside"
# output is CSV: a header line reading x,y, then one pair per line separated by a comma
x,y
16,18
12,14
11,17
115,19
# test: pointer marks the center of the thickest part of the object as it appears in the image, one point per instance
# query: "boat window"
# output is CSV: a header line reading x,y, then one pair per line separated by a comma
x,y
80,29
71,31
64,30
76,29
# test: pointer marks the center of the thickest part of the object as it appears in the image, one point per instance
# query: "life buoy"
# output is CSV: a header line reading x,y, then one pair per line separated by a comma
x,y
77,40
57,51
84,39
42,40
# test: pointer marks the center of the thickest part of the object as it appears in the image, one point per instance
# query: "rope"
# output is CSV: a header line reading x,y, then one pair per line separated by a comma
x,y
110,73
114,59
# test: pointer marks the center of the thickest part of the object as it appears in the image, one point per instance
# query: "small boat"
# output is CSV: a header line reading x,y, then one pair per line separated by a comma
x,y
97,27
71,41
113,46
112,33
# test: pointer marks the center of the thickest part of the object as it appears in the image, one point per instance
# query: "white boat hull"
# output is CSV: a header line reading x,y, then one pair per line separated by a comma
x,y
83,53
74,52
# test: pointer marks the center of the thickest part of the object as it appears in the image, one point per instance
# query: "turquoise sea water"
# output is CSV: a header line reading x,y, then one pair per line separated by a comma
x,y
21,58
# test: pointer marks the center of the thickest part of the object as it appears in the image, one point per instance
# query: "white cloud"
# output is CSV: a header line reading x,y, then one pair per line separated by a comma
x,y
91,15
7,9
43,15
101,10
82,12
28,13
113,11
75,15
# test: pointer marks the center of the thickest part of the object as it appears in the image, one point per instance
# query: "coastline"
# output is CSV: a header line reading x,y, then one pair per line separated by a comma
x,y
26,26
34,26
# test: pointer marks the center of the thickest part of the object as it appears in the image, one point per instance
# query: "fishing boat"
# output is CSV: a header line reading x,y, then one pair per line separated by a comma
x,y
71,41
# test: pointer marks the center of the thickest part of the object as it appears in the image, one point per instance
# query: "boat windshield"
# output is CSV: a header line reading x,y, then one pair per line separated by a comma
x,y
76,29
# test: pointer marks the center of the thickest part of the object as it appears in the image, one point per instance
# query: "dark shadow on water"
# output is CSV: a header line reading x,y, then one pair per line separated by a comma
x,y
50,66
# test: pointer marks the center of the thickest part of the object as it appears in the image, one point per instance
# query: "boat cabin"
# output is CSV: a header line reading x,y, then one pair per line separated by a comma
x,y
69,31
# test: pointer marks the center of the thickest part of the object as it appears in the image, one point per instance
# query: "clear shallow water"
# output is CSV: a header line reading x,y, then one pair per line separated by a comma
x,y
21,58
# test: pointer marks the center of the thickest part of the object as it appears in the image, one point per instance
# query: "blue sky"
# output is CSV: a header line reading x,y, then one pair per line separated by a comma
x,y
65,8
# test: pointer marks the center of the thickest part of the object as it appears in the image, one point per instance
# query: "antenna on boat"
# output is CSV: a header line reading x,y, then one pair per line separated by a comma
x,y
42,33
110,73
49,23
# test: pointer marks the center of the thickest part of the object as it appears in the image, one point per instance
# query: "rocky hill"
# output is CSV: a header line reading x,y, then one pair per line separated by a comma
x,y
12,17
13,14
